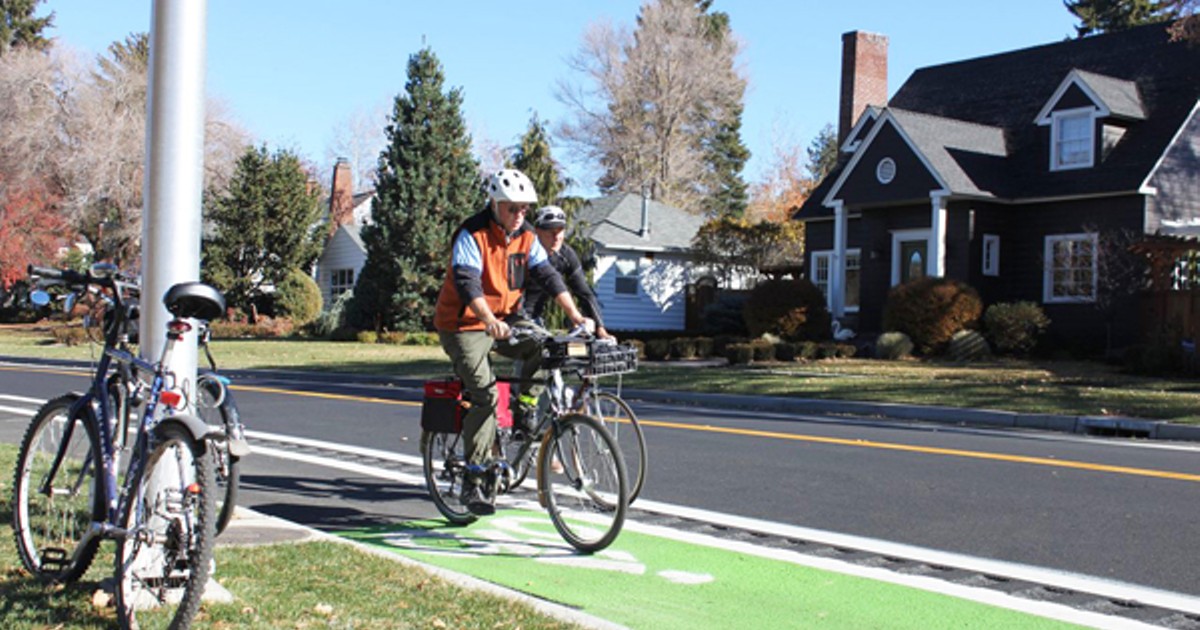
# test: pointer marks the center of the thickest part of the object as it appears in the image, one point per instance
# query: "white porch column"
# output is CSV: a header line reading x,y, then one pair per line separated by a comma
x,y
837,265
936,265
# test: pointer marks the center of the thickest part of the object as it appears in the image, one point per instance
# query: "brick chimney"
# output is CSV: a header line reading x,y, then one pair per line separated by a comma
x,y
864,77
341,194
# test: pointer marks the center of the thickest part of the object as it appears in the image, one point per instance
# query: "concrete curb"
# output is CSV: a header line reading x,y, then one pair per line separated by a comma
x,y
1087,425
293,533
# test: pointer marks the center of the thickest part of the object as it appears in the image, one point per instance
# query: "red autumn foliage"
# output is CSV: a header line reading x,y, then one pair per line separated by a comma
x,y
31,231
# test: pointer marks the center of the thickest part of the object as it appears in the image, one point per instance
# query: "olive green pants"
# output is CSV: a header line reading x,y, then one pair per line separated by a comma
x,y
468,352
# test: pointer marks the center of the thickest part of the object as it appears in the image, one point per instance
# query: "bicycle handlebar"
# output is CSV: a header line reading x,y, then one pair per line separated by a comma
x,y
69,276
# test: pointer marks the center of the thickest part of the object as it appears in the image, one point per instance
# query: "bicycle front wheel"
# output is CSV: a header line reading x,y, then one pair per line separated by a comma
x,y
216,409
445,466
582,482
163,562
53,513
622,425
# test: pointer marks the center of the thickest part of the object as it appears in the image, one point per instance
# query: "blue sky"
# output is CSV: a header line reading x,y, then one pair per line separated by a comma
x,y
291,71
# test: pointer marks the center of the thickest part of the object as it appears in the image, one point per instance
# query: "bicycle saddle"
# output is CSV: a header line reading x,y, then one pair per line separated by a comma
x,y
196,300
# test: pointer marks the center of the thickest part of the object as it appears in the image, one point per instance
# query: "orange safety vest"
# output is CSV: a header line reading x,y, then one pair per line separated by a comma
x,y
505,262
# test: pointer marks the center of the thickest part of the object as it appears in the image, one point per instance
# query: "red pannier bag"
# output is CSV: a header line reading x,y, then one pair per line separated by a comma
x,y
445,403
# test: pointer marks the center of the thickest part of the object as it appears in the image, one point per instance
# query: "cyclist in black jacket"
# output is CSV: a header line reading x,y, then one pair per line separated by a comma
x,y
551,226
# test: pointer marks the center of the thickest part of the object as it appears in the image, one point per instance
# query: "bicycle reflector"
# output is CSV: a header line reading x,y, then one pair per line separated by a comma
x,y
170,398
178,326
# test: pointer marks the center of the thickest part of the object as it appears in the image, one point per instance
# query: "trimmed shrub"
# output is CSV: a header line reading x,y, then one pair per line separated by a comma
x,y
639,344
892,346
683,348
704,347
807,350
298,297
343,333
931,310
1014,327
721,342
969,345
786,350
763,350
367,336
391,337
739,353
658,349
792,309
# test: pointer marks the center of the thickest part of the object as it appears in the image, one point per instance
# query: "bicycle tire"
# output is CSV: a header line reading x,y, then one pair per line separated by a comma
x,y
50,528
444,465
162,565
622,424
585,491
215,407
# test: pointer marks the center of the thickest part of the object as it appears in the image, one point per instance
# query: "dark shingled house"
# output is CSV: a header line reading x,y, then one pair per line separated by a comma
x,y
1007,172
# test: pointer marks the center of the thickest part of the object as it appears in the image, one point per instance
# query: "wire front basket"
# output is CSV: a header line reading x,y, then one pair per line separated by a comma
x,y
608,359
590,358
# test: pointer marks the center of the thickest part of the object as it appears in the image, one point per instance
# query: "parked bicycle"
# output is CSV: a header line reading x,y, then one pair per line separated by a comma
x,y
67,492
215,405
607,359
581,479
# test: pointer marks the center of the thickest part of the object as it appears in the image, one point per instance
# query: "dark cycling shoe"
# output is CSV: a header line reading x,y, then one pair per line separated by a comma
x,y
476,502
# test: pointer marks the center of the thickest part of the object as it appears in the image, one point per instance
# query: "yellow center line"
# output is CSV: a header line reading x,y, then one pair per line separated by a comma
x,y
931,450
292,392
928,450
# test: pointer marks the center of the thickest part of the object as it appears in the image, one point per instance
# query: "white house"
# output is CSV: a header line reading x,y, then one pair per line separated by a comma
x,y
345,254
643,260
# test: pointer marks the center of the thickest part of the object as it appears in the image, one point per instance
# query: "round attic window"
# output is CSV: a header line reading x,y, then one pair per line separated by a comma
x,y
885,171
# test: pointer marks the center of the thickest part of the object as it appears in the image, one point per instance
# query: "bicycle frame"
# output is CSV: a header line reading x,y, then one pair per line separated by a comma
x,y
98,404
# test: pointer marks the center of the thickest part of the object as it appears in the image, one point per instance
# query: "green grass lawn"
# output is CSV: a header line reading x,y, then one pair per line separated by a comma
x,y
306,585
1054,387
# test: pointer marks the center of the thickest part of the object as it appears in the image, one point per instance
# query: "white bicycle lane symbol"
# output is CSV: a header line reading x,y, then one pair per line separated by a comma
x,y
526,536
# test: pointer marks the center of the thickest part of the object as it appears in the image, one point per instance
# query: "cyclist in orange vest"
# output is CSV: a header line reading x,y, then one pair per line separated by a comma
x,y
492,253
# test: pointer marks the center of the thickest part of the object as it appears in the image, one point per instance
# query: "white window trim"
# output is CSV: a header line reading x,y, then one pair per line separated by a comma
x,y
636,275
991,264
1048,268
828,253
1056,118
901,236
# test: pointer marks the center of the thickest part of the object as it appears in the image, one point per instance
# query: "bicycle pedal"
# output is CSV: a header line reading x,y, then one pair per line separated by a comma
x,y
54,559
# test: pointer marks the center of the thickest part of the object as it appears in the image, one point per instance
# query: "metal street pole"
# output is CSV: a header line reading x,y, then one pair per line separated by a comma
x,y
174,172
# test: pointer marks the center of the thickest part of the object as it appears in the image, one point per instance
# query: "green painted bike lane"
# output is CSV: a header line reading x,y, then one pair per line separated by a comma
x,y
655,578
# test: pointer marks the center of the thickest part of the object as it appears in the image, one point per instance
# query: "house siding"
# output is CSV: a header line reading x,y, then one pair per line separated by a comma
x,y
660,303
913,180
1177,179
341,252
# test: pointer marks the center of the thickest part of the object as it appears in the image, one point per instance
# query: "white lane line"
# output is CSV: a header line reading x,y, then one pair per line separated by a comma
x,y
1051,577
22,399
20,411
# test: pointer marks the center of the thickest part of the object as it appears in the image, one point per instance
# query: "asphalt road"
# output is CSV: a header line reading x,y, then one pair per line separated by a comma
x,y
1108,508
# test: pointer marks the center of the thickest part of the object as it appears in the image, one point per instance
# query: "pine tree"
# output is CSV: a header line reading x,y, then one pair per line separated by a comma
x,y
822,154
725,152
18,26
532,157
263,228
428,183
1108,16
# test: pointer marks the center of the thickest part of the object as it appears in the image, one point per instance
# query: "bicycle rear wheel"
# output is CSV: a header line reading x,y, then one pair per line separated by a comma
x,y
520,457
445,464
163,563
52,516
622,425
582,482
216,409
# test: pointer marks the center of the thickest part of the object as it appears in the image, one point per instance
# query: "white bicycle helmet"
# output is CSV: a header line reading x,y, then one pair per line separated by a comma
x,y
511,185
550,217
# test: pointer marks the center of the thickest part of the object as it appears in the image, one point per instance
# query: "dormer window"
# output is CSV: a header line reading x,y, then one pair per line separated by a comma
x,y
1072,142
